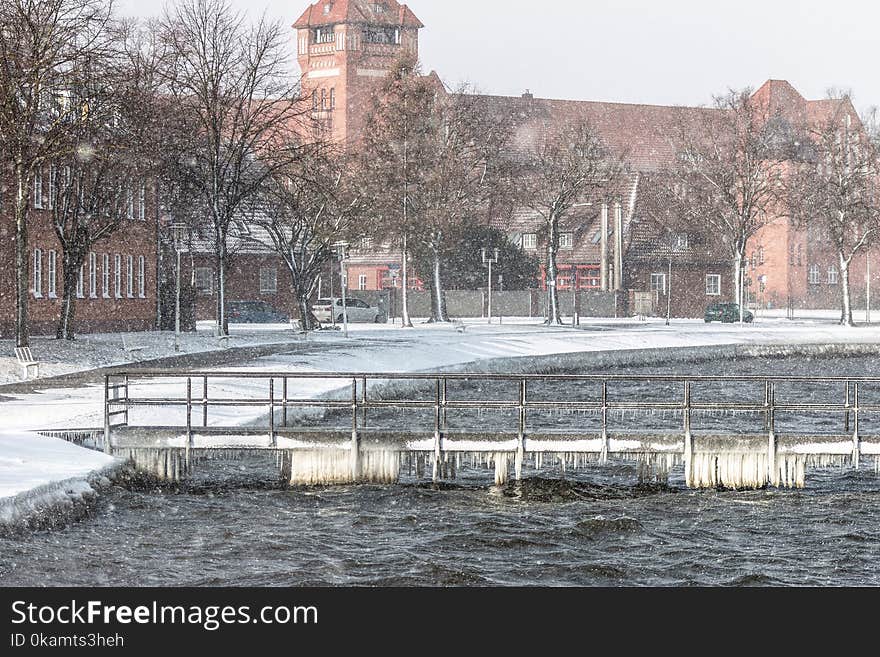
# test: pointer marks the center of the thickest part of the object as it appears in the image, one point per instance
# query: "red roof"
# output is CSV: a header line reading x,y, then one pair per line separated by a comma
x,y
357,11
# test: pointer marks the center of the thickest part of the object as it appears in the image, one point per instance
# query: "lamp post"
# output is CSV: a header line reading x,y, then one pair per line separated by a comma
x,y
340,251
489,260
178,234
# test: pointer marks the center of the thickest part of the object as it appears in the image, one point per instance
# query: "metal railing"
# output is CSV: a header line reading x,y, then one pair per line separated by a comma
x,y
118,399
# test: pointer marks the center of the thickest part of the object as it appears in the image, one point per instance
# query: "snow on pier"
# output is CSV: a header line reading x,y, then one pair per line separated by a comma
x,y
737,432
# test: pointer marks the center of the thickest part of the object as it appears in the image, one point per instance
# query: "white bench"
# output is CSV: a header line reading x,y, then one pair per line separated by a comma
x,y
26,360
131,349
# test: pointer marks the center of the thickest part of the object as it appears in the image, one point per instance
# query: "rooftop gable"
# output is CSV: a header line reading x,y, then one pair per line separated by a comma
x,y
330,12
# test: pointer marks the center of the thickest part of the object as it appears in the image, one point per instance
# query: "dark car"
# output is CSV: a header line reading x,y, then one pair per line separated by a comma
x,y
727,313
255,312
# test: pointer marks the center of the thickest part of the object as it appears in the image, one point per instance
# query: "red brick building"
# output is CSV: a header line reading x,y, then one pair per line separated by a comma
x,y
117,288
345,47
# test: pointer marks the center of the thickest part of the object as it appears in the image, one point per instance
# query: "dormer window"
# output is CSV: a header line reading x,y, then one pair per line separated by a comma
x,y
327,8
378,7
324,34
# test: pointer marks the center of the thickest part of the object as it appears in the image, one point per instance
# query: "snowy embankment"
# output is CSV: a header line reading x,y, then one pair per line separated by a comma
x,y
47,478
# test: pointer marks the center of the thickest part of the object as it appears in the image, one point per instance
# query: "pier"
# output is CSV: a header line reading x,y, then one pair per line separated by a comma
x,y
326,428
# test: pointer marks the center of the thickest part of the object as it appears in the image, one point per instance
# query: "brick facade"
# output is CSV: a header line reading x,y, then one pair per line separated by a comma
x,y
133,308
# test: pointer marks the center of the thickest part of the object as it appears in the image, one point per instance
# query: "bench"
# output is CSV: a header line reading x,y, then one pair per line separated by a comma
x,y
130,348
26,360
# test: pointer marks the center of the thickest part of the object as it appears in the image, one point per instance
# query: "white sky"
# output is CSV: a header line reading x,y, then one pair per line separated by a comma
x,y
640,51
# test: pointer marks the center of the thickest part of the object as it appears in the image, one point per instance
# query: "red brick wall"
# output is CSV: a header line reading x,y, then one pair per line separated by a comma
x,y
243,283
134,237
689,298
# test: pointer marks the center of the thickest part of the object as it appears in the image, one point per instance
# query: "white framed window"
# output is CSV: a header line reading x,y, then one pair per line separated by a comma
x,y
105,276
815,275
367,243
566,240
80,282
38,274
117,276
52,174
38,190
205,281
129,202
51,285
530,241
713,285
362,282
832,275
142,202
680,241
93,276
142,283
658,283
268,280
129,282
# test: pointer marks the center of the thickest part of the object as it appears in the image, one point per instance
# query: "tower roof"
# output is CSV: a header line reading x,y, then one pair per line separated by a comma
x,y
383,12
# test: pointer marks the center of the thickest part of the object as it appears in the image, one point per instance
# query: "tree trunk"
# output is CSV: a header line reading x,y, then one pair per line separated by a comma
x,y
222,318
846,318
70,278
438,300
404,281
738,280
553,315
22,261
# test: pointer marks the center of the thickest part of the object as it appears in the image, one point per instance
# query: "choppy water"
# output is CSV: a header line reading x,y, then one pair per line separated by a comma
x,y
595,527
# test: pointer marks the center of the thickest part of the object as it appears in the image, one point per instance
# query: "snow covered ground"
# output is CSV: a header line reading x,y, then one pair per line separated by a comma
x,y
39,473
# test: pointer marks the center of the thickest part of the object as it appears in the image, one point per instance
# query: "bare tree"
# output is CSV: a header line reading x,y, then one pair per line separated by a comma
x,y
729,173
562,168
42,42
237,111
835,190
307,209
392,154
100,177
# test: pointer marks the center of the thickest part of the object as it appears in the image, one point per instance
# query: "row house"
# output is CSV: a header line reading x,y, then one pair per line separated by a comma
x,y
117,284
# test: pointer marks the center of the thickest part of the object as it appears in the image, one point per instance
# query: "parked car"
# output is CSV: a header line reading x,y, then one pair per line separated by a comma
x,y
255,312
326,310
727,313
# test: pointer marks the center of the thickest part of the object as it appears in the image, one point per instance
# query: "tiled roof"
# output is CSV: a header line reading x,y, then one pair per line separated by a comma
x,y
646,136
357,11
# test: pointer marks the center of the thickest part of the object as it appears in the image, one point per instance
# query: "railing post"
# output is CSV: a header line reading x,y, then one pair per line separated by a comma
x,y
605,446
364,405
205,401
688,437
125,388
846,408
521,433
107,448
189,434
273,439
772,470
437,446
857,441
355,440
284,402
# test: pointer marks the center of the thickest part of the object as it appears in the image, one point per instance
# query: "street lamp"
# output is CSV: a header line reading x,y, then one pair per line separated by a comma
x,y
178,235
489,260
340,252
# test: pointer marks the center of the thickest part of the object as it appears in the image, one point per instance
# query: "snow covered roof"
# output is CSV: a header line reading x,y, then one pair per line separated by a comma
x,y
382,12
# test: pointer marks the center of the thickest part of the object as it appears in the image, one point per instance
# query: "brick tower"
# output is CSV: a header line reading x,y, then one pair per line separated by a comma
x,y
344,49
